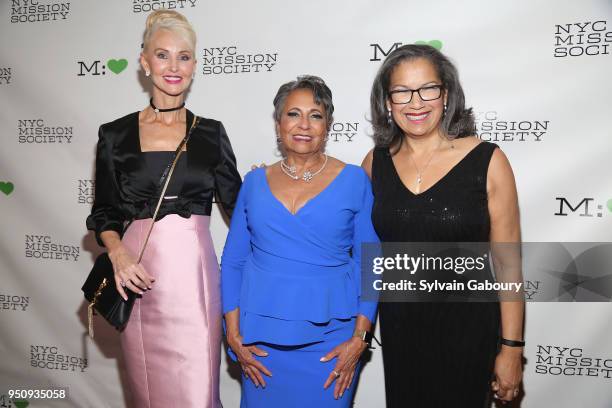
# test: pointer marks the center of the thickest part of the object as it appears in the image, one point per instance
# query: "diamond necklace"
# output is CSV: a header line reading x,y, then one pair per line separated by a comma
x,y
306,176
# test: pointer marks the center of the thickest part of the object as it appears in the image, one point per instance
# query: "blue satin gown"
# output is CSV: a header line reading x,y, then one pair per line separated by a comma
x,y
296,279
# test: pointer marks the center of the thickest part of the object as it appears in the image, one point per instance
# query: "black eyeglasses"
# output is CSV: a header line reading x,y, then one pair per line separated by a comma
x,y
426,93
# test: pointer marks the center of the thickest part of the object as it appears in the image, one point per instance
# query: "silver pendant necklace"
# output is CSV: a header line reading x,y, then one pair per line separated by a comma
x,y
420,173
291,171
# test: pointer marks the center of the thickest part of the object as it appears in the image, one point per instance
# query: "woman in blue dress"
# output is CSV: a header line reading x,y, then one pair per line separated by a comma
x,y
290,270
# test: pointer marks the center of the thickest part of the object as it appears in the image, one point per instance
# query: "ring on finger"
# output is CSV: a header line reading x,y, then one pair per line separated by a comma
x,y
337,374
122,283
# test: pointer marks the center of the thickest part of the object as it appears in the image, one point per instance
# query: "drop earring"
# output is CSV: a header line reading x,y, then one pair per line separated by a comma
x,y
389,116
444,113
147,73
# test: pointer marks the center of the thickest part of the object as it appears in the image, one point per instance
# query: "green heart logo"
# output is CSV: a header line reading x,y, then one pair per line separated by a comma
x,y
21,404
609,204
6,187
437,44
117,65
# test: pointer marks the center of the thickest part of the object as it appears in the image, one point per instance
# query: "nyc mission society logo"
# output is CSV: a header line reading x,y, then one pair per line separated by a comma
x,y
35,11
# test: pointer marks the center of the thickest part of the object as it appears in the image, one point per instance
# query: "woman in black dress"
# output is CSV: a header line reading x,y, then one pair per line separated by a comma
x,y
434,181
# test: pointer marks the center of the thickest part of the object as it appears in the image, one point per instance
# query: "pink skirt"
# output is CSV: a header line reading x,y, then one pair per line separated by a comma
x,y
172,343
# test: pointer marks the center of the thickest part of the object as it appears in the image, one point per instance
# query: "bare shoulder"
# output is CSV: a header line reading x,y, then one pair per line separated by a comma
x,y
270,169
500,171
466,143
366,164
335,165
499,161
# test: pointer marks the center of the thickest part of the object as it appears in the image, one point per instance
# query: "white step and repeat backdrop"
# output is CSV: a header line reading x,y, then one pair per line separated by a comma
x,y
538,74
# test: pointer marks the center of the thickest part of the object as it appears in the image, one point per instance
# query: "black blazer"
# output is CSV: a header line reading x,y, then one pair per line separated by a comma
x,y
211,172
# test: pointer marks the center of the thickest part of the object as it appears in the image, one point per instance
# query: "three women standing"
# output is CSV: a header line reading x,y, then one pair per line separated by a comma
x,y
291,292
173,339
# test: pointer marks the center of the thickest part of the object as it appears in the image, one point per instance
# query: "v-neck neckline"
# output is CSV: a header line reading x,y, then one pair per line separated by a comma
x,y
439,181
139,144
310,200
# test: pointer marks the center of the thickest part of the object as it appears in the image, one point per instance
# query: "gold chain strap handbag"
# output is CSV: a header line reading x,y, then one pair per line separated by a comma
x,y
99,288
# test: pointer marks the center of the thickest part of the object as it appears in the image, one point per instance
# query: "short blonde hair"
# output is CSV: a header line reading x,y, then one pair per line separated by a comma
x,y
172,21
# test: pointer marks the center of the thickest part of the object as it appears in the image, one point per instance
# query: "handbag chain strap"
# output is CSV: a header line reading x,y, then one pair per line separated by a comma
x,y
165,179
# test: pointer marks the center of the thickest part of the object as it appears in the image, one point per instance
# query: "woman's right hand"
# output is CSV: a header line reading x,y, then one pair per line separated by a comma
x,y
250,366
128,273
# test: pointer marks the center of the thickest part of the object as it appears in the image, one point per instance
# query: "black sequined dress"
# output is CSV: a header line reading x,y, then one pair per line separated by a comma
x,y
436,354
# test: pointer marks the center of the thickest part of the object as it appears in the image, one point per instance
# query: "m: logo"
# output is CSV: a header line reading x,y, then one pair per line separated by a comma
x,y
116,66
563,203
378,50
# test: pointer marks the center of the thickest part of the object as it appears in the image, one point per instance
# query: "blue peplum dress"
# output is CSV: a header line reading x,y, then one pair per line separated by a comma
x,y
296,279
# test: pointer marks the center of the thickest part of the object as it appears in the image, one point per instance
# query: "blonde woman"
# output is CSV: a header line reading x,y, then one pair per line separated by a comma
x,y
172,341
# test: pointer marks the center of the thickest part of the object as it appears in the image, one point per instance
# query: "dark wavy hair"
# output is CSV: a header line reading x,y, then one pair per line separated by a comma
x,y
458,121
320,91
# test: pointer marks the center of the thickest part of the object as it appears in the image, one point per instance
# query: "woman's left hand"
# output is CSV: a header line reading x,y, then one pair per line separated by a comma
x,y
508,373
347,355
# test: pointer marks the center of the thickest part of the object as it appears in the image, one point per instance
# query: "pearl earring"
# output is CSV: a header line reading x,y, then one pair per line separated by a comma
x,y
147,73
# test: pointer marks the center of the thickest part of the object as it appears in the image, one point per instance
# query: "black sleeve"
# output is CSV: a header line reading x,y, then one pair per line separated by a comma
x,y
106,213
227,178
